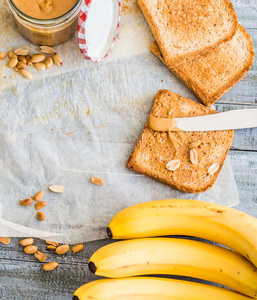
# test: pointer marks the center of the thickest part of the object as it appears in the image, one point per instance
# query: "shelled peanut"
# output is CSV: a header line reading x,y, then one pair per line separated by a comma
x,y
58,189
20,59
31,249
39,204
27,243
5,240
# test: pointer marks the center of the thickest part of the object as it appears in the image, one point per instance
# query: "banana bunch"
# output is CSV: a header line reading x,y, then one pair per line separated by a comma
x,y
145,254
176,257
217,223
151,288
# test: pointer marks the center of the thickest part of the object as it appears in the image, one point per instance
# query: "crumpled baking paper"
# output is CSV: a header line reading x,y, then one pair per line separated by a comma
x,y
79,121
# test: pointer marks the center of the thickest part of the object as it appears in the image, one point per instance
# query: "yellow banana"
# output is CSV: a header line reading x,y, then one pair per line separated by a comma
x,y
151,288
214,222
176,257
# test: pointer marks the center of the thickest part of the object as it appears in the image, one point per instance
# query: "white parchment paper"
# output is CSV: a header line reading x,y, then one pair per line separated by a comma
x,y
79,121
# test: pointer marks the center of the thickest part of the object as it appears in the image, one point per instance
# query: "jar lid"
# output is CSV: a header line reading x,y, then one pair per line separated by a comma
x,y
98,25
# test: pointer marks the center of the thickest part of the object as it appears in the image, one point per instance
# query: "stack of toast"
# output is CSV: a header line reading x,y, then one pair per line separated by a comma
x,y
201,42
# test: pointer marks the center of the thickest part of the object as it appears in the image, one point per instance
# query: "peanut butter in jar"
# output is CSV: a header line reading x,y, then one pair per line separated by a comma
x,y
46,22
45,9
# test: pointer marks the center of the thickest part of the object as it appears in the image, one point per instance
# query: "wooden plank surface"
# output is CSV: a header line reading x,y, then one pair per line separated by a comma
x,y
21,275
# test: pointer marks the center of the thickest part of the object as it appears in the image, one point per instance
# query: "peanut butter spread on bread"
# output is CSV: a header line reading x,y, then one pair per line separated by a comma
x,y
155,149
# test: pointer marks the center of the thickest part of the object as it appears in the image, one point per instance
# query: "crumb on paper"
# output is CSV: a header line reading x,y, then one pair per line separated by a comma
x,y
125,9
69,133
104,125
129,8
89,112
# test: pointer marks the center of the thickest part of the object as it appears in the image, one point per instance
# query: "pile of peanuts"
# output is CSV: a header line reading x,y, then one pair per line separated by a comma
x,y
38,197
29,248
27,243
20,60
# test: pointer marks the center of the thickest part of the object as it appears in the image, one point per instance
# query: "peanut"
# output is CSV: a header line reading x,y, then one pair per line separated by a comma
x,y
30,249
50,266
173,164
193,156
41,216
56,189
62,249
52,243
49,62
26,242
40,205
57,59
21,51
36,58
26,74
50,247
40,66
4,240
22,58
12,62
29,63
39,196
77,248
26,202
194,144
11,54
96,180
40,256
21,65
2,55
213,169
46,49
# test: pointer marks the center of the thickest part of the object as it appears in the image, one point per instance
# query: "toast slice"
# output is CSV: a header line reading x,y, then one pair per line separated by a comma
x,y
212,74
198,169
186,29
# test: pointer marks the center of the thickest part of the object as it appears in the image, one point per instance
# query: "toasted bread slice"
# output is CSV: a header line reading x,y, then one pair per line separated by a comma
x,y
155,149
186,29
211,75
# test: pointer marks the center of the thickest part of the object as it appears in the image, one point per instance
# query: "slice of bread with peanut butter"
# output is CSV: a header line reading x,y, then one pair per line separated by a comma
x,y
212,74
187,161
186,29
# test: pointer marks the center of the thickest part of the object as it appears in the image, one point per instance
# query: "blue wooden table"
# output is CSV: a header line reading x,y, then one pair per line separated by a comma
x,y
21,275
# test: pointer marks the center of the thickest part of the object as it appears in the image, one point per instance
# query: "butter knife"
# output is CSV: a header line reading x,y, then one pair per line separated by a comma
x,y
233,119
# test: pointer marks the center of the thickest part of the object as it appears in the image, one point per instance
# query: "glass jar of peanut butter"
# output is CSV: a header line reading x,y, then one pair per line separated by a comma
x,y
46,22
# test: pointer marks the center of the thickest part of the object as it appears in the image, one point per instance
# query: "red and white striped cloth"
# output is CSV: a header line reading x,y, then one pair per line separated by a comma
x,y
82,31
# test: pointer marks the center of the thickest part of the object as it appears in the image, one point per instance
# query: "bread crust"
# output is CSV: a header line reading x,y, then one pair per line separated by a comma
x,y
181,20
155,149
189,73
